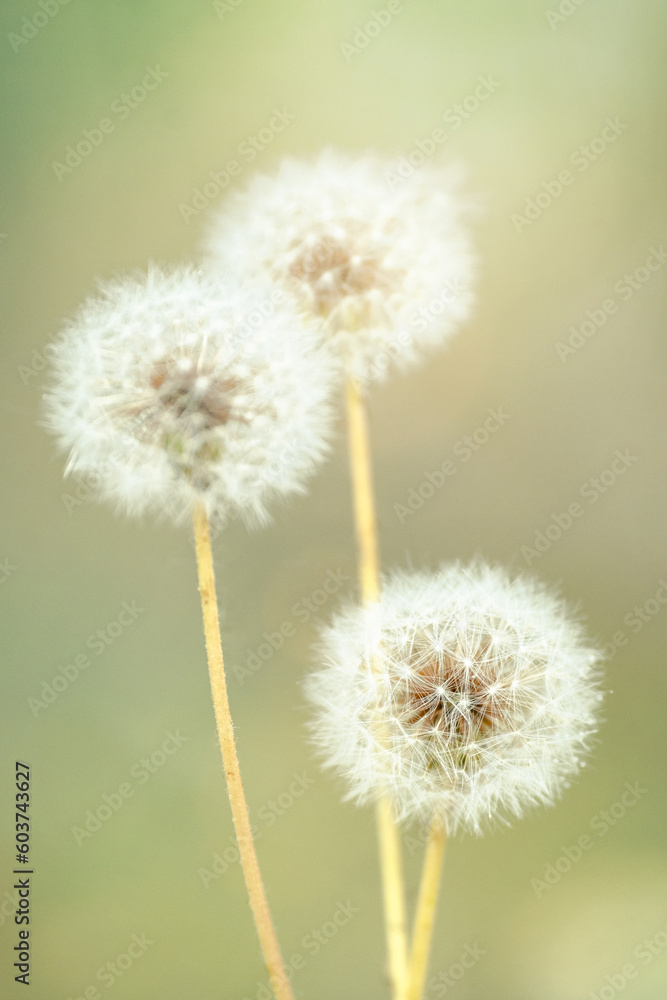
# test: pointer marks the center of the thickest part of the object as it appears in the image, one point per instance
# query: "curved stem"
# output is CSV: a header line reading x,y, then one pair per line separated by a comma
x,y
253,879
426,907
369,584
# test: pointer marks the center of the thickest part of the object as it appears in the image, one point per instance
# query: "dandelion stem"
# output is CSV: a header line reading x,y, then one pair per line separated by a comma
x,y
369,582
253,879
426,907
364,502
394,895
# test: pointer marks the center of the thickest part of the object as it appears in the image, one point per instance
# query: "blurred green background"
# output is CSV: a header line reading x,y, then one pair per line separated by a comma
x,y
69,566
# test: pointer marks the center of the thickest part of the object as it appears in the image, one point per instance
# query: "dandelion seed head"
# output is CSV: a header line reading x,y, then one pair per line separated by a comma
x,y
490,719
172,390
385,269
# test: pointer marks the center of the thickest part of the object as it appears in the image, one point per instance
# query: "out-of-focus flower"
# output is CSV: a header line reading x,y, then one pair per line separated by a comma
x,y
170,389
386,272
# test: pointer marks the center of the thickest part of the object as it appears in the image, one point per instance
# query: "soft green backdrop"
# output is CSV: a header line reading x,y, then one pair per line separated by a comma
x,y
557,78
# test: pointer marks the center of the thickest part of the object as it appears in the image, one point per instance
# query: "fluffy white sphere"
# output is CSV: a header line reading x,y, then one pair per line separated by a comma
x,y
385,266
464,695
170,390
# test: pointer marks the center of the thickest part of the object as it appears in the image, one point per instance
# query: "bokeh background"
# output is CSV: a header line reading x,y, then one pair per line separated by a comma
x,y
155,867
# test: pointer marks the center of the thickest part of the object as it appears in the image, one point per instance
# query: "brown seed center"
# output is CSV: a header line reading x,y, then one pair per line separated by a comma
x,y
184,387
333,270
461,697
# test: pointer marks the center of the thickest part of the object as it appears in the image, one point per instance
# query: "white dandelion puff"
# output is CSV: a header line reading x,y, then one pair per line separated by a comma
x,y
171,390
387,273
475,699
